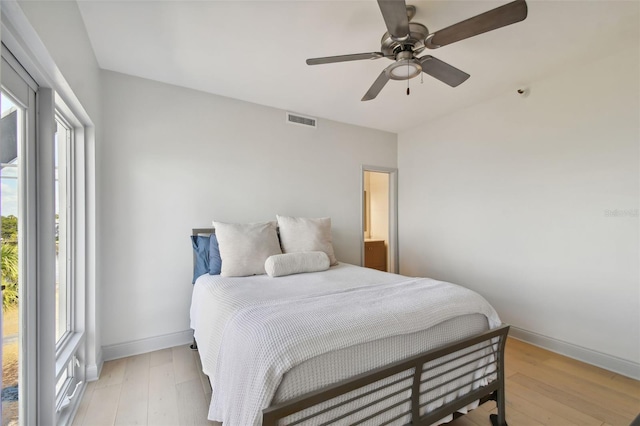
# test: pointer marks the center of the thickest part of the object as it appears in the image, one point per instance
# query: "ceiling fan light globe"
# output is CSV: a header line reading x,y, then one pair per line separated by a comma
x,y
404,70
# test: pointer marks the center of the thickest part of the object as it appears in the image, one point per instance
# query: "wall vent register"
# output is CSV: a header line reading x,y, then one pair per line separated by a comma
x,y
301,120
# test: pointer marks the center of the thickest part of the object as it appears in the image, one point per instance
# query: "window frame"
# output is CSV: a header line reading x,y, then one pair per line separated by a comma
x,y
36,172
21,87
69,349
69,260
24,45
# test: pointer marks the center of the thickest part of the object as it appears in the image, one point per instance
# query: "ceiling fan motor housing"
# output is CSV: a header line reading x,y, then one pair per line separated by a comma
x,y
414,43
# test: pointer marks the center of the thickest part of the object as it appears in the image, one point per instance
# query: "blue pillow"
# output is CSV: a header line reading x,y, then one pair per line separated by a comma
x,y
215,262
201,252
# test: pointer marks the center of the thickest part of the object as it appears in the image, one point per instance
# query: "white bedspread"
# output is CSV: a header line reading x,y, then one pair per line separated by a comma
x,y
259,340
216,298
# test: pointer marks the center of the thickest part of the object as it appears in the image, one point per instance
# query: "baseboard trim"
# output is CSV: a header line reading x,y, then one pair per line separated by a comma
x,y
92,371
150,344
599,359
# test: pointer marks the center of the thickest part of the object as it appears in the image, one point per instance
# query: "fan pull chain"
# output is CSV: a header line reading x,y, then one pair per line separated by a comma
x,y
408,72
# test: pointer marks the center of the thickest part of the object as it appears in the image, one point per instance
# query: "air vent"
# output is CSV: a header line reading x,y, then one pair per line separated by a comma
x,y
302,120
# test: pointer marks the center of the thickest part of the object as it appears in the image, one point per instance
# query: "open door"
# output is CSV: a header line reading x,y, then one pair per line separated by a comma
x,y
379,218
12,134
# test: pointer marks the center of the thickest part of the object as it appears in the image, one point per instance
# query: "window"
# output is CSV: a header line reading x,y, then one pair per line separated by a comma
x,y
63,228
69,309
44,198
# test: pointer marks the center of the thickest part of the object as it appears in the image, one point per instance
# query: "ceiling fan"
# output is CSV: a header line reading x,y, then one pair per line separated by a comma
x,y
405,40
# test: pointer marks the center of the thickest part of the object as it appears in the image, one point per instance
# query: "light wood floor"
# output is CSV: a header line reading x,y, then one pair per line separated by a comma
x,y
167,388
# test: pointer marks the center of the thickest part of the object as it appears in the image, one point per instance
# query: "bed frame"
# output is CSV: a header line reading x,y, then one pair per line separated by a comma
x,y
494,339
416,366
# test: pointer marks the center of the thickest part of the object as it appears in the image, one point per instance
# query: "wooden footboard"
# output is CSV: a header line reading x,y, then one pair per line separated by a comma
x,y
420,377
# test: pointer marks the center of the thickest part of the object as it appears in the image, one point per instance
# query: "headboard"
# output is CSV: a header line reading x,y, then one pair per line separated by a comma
x,y
199,231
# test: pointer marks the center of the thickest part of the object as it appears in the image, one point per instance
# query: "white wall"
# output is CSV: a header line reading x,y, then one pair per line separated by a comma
x,y
175,159
61,29
510,198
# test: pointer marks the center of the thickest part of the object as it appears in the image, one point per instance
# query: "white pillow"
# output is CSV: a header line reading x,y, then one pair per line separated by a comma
x,y
245,247
296,263
299,234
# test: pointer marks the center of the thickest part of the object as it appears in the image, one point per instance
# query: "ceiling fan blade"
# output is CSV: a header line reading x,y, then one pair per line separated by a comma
x,y
376,87
442,71
344,58
499,17
395,17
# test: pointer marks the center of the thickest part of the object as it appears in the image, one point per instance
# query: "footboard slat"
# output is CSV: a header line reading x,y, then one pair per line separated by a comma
x,y
458,367
414,369
398,417
452,390
376,414
355,398
462,355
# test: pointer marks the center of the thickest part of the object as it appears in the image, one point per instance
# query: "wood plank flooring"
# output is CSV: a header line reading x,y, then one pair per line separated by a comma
x,y
544,388
167,387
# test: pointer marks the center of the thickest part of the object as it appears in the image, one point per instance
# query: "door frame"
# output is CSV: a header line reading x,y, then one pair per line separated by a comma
x,y
22,88
394,264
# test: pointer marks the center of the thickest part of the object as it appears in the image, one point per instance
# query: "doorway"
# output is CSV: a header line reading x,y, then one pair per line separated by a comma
x,y
379,218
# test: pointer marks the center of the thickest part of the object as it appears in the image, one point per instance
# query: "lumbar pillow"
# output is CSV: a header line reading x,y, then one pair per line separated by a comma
x,y
245,247
296,263
300,234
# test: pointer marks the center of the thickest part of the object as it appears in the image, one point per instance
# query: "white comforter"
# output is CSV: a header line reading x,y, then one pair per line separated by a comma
x,y
263,327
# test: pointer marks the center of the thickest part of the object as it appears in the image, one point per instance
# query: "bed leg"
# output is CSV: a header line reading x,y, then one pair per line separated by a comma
x,y
500,419
194,345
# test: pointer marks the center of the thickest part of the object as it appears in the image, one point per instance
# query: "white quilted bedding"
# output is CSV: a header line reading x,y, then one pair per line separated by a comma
x,y
252,330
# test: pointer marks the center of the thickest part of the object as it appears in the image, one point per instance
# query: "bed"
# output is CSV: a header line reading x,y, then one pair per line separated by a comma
x,y
348,345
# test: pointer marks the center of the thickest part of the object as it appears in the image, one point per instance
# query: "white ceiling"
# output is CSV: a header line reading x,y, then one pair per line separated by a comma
x,y
256,50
